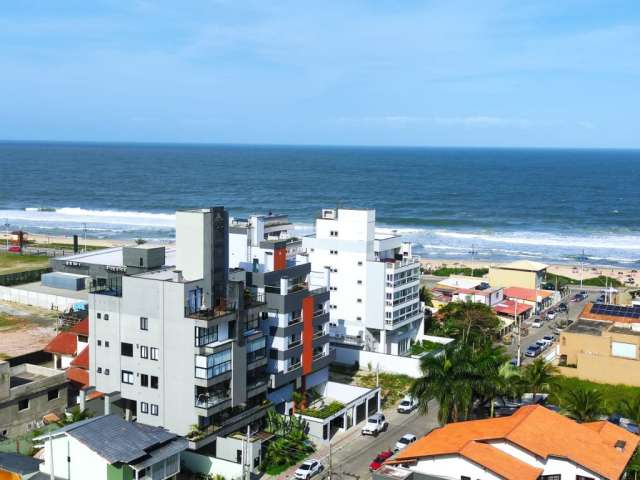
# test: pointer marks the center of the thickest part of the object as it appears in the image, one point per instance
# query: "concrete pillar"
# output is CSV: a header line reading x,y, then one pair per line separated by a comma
x,y
107,404
345,419
327,276
383,341
284,286
366,408
82,399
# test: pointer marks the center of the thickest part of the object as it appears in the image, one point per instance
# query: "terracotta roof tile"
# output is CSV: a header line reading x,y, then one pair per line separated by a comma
x,y
528,294
81,328
78,375
65,343
539,431
499,462
506,307
82,360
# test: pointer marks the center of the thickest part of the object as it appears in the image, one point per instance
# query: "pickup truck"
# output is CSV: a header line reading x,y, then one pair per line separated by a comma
x,y
407,405
375,424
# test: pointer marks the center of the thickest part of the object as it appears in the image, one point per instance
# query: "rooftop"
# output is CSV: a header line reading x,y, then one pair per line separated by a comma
x,y
526,265
113,257
535,429
20,464
611,313
588,327
507,307
528,294
65,343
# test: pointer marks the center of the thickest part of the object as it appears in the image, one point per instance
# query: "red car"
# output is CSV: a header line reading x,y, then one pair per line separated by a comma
x,y
379,460
15,249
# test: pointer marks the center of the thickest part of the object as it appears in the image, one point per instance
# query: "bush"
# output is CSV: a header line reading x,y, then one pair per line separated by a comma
x,y
424,346
448,271
612,395
325,411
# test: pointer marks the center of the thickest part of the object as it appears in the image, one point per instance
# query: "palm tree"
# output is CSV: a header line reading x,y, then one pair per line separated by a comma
x,y
539,376
630,408
583,405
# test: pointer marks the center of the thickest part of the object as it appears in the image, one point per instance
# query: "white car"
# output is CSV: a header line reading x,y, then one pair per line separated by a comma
x,y
551,315
407,405
375,424
537,323
308,469
407,439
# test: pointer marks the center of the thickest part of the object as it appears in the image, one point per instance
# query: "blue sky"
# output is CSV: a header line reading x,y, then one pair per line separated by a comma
x,y
478,73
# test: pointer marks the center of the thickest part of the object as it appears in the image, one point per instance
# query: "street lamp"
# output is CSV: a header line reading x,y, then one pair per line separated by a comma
x,y
6,227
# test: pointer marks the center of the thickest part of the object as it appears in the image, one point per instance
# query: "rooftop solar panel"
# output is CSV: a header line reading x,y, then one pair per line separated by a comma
x,y
616,310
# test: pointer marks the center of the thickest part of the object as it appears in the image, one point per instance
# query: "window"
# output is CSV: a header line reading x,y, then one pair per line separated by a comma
x,y
552,477
334,270
106,316
127,377
333,233
144,407
359,318
99,343
126,349
144,351
53,394
23,404
359,282
333,252
98,315
465,478
106,371
359,300
213,365
154,382
144,323
256,349
154,353
205,336
334,289
359,264
106,343
582,477
144,380
154,409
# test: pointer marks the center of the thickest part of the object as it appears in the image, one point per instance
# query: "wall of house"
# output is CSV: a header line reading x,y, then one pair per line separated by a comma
x,y
604,369
499,277
196,462
446,465
84,462
387,363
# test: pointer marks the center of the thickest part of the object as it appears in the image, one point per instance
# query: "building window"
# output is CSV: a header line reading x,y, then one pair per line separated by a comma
x,y
144,407
334,270
359,300
359,282
333,252
53,394
581,477
144,380
557,477
154,353
99,369
126,349
106,316
144,323
98,315
333,289
144,351
154,409
99,343
205,336
359,318
359,264
216,364
154,382
127,377
333,233
106,371
106,343
23,404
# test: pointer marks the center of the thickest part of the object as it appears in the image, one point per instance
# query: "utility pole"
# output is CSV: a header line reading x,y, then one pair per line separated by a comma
x,y
472,252
6,228
519,323
84,228
330,459
248,460
378,386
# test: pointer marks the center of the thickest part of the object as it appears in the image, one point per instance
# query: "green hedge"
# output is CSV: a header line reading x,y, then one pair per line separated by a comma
x,y
448,271
612,395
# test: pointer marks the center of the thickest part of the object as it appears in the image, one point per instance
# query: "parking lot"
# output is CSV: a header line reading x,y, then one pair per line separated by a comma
x,y
535,334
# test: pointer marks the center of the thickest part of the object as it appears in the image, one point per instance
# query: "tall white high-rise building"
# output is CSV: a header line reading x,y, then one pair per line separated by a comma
x,y
374,283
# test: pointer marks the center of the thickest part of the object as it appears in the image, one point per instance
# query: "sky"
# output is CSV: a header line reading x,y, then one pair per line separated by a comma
x,y
381,72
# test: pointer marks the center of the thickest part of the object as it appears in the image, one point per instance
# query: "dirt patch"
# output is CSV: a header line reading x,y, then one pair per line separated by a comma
x,y
24,329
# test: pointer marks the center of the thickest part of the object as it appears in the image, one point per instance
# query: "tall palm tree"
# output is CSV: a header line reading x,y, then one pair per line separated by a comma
x,y
630,408
583,405
539,376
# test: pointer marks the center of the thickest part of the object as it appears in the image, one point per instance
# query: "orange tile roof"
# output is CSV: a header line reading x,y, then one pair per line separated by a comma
x,y
499,462
506,307
65,343
82,360
78,375
81,328
528,294
538,430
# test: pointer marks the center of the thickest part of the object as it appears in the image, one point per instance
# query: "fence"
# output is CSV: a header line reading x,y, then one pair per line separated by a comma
x,y
36,299
18,278
382,361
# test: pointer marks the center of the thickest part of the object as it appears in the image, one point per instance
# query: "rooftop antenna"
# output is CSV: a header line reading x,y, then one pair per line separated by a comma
x,y
582,258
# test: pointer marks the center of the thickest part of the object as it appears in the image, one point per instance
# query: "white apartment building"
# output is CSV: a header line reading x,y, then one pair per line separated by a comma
x,y
374,283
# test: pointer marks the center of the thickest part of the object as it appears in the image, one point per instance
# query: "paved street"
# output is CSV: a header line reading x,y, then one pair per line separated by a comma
x,y
352,452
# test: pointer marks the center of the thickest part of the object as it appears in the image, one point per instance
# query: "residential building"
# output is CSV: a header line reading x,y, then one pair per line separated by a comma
x,y
28,393
537,298
534,443
521,273
266,256
110,448
603,345
182,345
18,467
486,296
374,281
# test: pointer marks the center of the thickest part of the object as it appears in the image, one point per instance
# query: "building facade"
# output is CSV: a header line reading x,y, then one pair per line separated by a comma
x,y
265,255
374,281
521,273
183,346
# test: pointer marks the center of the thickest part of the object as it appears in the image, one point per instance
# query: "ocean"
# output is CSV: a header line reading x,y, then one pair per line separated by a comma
x,y
501,204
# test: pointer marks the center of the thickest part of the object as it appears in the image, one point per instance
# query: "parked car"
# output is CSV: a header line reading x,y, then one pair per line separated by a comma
x,y
14,249
377,462
407,405
549,339
404,441
308,469
551,315
537,323
542,344
562,308
533,351
375,424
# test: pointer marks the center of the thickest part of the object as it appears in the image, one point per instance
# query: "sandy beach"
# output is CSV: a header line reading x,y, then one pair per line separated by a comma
x,y
566,270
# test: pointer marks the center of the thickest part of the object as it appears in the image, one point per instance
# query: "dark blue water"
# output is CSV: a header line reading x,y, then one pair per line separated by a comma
x,y
507,203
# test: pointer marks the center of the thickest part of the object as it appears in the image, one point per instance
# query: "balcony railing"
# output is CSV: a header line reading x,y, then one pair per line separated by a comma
x,y
415,315
319,333
294,344
257,355
209,400
319,290
253,383
209,373
209,313
392,263
254,299
319,312
295,321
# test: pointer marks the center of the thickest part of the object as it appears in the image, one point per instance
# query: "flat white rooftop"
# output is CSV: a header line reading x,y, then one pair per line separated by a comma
x,y
113,256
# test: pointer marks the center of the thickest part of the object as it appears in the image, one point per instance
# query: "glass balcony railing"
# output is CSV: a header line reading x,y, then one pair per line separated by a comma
x,y
211,399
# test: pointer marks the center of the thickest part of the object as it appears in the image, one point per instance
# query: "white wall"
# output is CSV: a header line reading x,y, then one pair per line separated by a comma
x,y
387,363
85,463
454,466
36,299
211,465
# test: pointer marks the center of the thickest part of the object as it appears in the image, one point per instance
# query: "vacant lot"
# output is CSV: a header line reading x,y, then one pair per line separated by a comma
x,y
24,329
12,262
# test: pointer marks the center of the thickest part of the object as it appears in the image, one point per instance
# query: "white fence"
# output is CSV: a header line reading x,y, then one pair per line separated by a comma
x,y
198,463
386,363
36,299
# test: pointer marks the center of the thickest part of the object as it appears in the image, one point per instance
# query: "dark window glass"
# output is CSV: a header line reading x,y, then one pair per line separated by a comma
x,y
144,380
52,394
154,382
126,349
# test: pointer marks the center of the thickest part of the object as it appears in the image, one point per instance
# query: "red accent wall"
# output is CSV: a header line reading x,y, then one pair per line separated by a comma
x,y
307,335
279,259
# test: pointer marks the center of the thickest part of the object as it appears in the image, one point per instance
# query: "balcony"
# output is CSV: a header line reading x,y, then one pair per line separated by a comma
x,y
111,287
209,313
295,321
256,355
294,344
252,300
211,399
403,319
392,263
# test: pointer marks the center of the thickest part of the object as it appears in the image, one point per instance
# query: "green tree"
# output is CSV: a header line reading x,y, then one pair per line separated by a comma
x,y
583,405
426,296
76,416
630,408
470,322
539,376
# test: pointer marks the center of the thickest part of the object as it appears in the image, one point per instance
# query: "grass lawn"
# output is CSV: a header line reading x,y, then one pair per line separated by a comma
x,y
600,281
394,387
67,246
612,394
447,271
12,262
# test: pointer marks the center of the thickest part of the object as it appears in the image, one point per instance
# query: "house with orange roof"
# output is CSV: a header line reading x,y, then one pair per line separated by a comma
x,y
537,298
69,344
534,443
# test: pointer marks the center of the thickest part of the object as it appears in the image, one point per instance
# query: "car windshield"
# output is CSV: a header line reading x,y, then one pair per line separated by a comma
x,y
404,440
373,420
405,402
305,466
